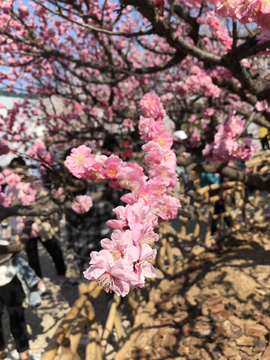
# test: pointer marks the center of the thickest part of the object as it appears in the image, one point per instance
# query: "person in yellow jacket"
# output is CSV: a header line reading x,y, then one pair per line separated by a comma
x,y
263,135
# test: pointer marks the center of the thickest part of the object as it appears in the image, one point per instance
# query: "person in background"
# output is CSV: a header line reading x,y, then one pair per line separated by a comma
x,y
46,232
11,297
263,135
24,272
207,179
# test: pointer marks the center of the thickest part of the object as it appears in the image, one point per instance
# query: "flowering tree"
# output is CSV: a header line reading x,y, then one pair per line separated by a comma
x,y
90,64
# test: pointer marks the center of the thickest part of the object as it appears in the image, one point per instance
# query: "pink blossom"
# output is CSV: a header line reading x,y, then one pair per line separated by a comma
x,y
95,172
7,172
82,204
168,207
143,267
140,213
195,139
128,123
145,124
13,179
129,198
192,119
155,153
164,139
59,191
130,178
182,89
143,233
111,275
149,190
151,106
4,201
163,173
112,166
247,10
157,186
2,178
28,189
121,222
121,246
261,105
208,150
207,112
234,125
79,161
28,199
265,6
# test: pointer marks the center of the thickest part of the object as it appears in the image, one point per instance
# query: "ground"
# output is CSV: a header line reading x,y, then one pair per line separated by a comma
x,y
216,308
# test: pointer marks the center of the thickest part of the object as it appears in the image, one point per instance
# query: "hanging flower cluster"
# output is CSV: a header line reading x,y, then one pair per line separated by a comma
x,y
226,147
125,260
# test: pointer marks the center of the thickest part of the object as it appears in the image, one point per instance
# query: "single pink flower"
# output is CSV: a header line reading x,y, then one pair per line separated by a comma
x,y
79,161
59,191
111,275
128,123
112,166
82,204
121,222
143,267
168,207
143,233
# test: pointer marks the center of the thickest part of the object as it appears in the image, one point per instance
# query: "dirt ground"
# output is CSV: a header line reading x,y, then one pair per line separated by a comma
x,y
216,308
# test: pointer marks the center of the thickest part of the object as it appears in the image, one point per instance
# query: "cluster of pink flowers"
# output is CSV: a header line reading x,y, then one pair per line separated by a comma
x,y
226,147
198,81
125,260
25,191
195,138
40,153
246,11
